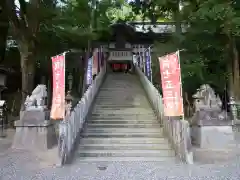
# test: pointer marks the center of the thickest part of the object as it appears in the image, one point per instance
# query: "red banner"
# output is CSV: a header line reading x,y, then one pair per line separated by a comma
x,y
58,97
171,84
95,62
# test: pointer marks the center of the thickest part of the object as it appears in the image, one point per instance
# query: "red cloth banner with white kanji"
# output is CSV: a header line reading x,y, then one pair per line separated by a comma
x,y
95,62
58,97
171,84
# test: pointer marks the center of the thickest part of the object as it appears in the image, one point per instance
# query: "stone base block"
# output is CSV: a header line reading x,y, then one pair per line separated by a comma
x,y
211,156
236,122
212,137
35,138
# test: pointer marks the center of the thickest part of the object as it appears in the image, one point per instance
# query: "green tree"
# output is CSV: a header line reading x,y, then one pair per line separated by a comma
x,y
35,21
212,37
26,21
4,25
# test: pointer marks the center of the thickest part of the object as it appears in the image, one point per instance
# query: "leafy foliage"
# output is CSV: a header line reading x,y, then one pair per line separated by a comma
x,y
211,43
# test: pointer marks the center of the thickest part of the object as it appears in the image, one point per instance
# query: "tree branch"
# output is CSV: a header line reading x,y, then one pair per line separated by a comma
x,y
34,21
12,13
23,12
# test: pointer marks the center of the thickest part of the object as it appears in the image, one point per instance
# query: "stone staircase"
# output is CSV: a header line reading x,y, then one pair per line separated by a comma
x,y
122,126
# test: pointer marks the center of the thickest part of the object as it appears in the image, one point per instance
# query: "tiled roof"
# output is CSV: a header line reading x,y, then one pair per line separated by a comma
x,y
160,27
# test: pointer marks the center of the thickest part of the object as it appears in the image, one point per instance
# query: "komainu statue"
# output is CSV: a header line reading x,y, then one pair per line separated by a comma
x,y
208,105
37,99
205,97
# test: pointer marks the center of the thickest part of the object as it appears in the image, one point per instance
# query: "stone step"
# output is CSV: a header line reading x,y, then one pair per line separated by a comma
x,y
121,140
153,122
118,106
115,119
121,103
126,90
136,92
123,130
108,125
121,82
122,96
113,115
123,126
135,119
159,147
123,111
102,101
111,98
124,146
122,134
125,153
120,100
127,159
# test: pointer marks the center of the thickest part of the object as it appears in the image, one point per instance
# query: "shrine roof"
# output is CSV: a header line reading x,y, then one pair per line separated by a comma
x,y
140,32
146,27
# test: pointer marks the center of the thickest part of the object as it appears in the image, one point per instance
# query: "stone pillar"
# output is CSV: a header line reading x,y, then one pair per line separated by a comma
x,y
233,107
3,116
70,81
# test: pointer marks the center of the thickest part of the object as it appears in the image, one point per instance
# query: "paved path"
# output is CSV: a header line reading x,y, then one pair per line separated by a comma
x,y
5,143
16,165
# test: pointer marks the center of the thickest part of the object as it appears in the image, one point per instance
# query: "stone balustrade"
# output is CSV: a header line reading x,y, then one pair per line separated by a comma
x,y
71,126
176,130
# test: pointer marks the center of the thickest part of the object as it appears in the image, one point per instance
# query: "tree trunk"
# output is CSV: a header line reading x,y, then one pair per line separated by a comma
x,y
177,19
27,67
236,74
233,69
4,25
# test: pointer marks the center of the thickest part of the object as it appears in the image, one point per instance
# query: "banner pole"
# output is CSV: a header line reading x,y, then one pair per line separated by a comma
x,y
148,48
64,81
61,54
178,54
139,57
150,59
144,61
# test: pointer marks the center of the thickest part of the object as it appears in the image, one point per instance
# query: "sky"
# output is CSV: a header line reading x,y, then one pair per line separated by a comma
x,y
17,3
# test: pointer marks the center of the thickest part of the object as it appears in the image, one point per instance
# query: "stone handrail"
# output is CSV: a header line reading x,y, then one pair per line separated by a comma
x,y
71,126
177,131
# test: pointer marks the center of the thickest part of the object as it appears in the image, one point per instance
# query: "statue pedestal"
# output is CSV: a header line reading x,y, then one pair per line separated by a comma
x,y
212,135
34,131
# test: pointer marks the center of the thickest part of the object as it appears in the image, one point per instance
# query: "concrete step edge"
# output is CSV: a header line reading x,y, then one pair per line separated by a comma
x,y
127,159
91,140
96,125
123,130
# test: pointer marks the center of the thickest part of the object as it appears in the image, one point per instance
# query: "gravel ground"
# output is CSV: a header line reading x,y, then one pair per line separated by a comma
x,y
16,165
